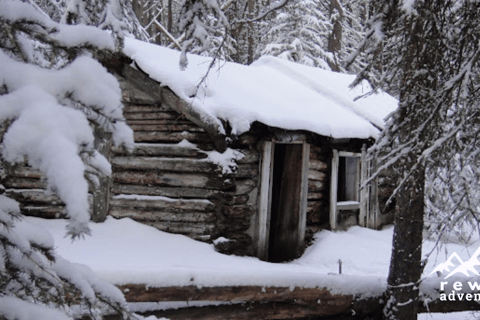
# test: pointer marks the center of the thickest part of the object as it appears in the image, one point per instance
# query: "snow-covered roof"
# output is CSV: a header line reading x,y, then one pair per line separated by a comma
x,y
272,91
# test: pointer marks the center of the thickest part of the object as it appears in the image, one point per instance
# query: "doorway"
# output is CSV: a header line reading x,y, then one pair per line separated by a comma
x,y
286,175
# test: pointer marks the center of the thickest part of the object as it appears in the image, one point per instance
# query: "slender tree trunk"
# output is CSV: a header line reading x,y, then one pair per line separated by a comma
x,y
415,106
170,17
335,37
405,266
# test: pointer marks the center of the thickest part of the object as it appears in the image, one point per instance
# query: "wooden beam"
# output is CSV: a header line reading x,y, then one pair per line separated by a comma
x,y
144,293
264,201
157,215
302,220
153,149
194,180
149,136
166,164
173,204
180,192
333,190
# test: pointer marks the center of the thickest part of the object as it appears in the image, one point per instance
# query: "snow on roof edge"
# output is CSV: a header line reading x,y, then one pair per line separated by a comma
x,y
273,92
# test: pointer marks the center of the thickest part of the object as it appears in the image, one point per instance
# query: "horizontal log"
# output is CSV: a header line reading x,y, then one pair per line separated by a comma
x,y
174,204
47,212
172,150
197,193
315,206
138,108
315,186
235,200
152,116
247,170
33,196
166,127
243,187
164,164
160,121
250,156
317,165
239,211
143,293
155,215
316,195
173,180
256,311
247,139
24,183
26,172
145,136
316,175
185,228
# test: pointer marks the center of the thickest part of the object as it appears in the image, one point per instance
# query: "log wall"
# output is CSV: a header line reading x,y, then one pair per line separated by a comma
x,y
318,190
169,184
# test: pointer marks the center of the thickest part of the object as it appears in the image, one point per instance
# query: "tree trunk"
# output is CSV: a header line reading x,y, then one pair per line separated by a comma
x,y
335,37
415,107
405,265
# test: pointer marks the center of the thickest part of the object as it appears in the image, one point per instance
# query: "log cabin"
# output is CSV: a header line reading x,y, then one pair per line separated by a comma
x,y
254,159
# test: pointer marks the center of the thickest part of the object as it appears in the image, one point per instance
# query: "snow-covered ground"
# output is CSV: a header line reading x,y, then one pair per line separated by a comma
x,y
123,251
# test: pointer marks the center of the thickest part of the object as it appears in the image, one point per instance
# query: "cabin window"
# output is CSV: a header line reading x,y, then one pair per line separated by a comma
x,y
347,198
283,200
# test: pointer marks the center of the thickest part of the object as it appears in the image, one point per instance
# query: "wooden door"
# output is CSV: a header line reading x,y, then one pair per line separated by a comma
x,y
288,202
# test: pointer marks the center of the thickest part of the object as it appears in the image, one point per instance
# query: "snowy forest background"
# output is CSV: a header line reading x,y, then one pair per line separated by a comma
x,y
53,91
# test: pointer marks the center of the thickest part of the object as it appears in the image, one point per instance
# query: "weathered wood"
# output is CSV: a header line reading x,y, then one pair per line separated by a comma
x,y
230,200
146,136
24,183
186,228
47,212
101,194
26,172
173,180
333,190
171,150
288,202
203,120
243,187
131,95
317,153
247,139
239,211
246,170
315,186
318,165
147,122
151,115
165,164
155,215
138,108
198,193
250,156
316,175
257,311
316,195
174,204
33,196
315,206
143,293
346,308
165,127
